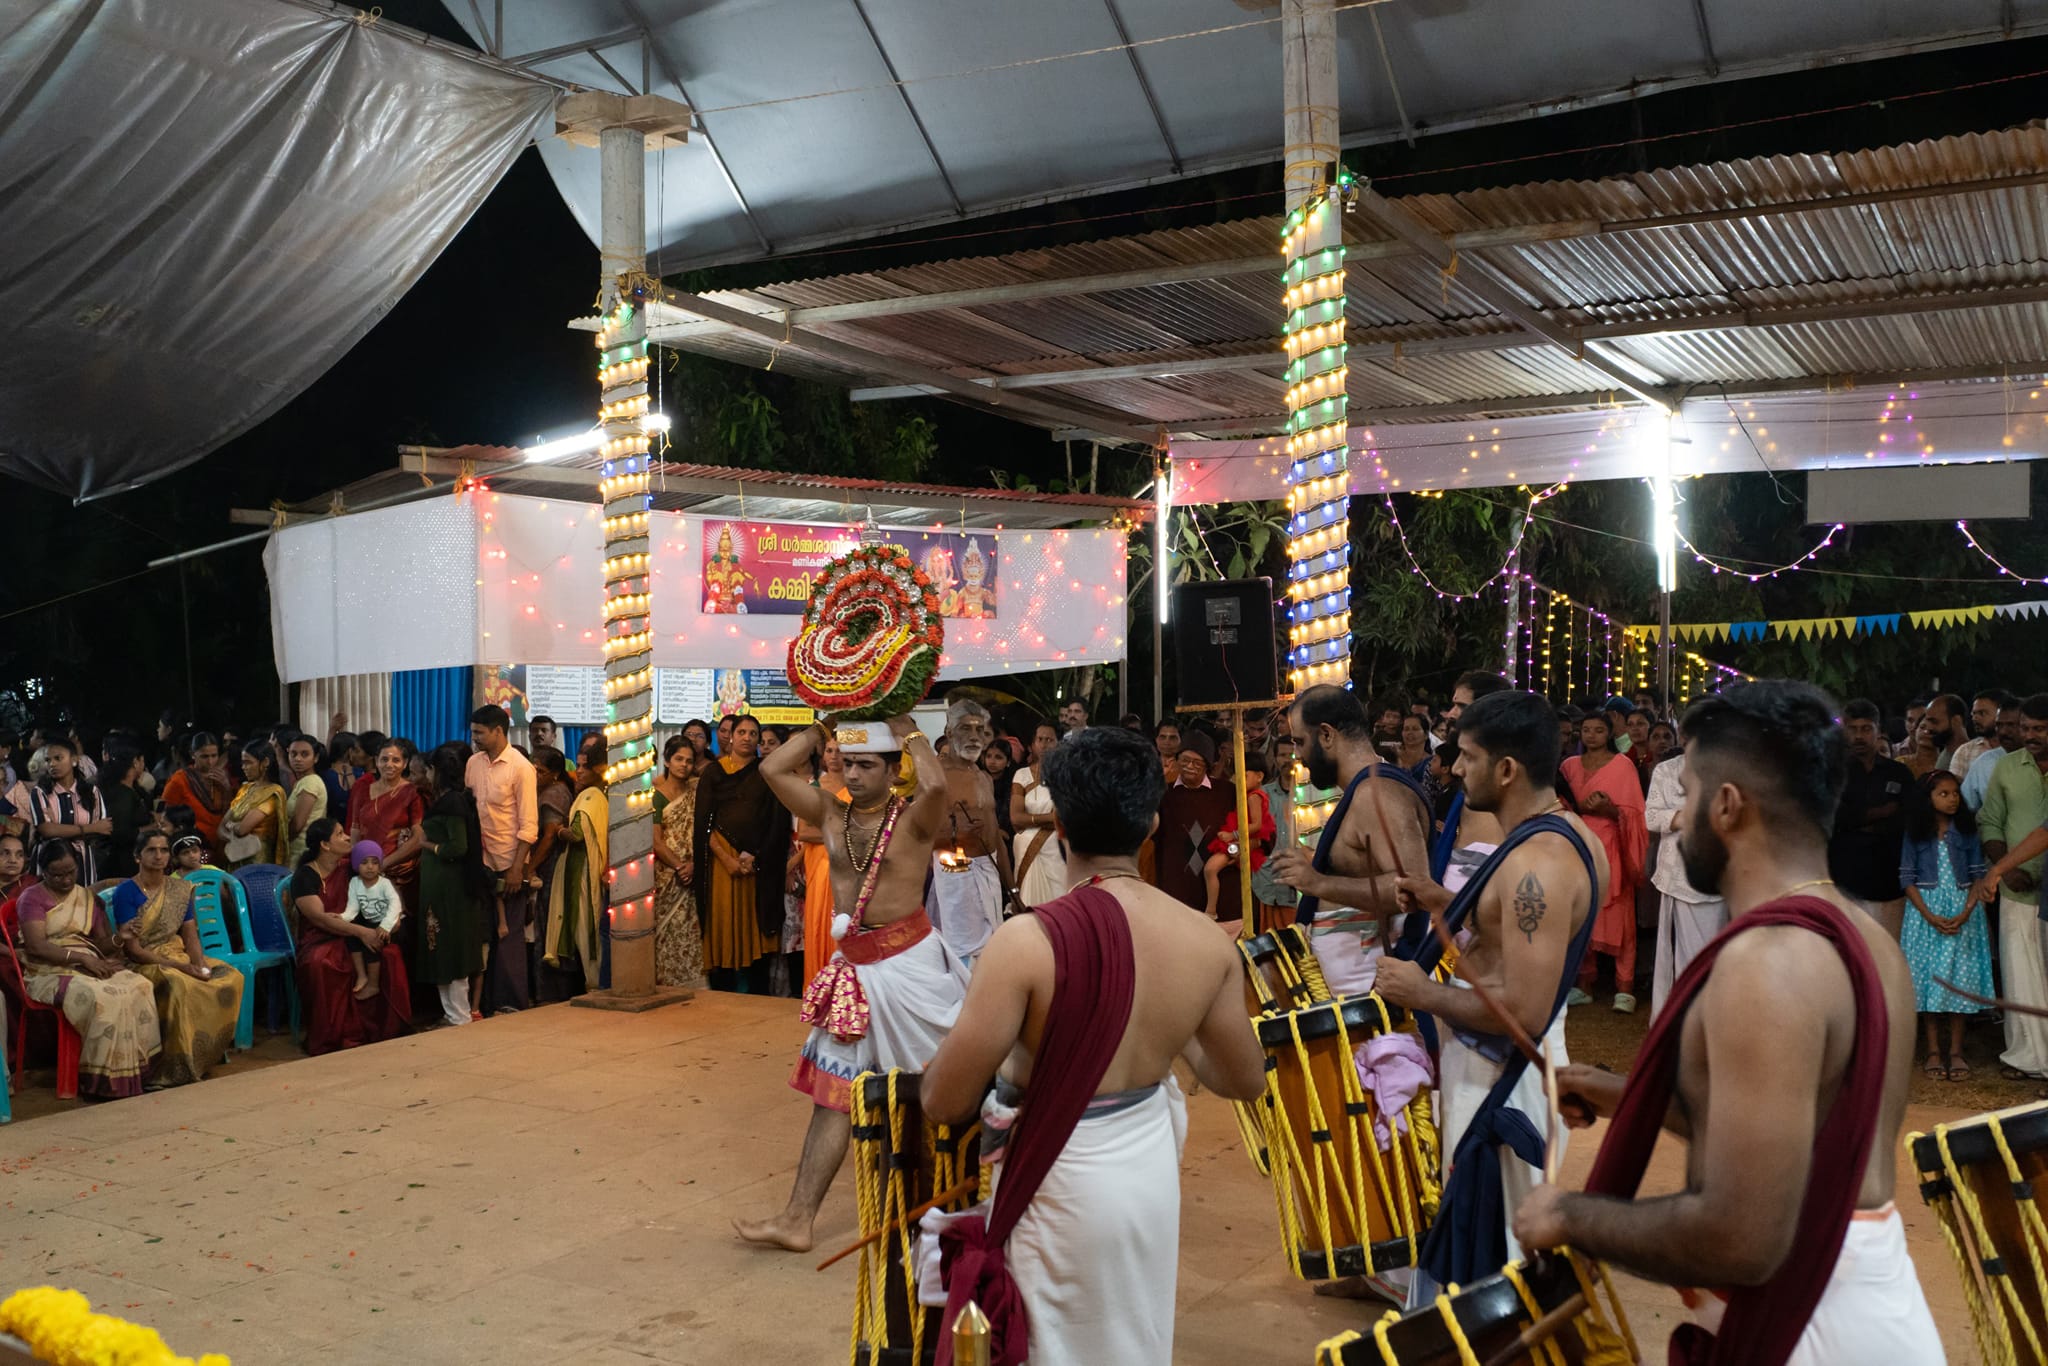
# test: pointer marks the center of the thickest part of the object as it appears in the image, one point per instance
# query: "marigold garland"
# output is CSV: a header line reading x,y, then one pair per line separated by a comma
x,y
869,644
61,1329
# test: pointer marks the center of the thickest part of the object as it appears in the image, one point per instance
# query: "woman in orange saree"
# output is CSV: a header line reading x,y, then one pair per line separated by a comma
x,y
1610,800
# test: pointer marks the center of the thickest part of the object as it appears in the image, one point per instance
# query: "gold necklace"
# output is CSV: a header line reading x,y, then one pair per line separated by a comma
x,y
1810,882
862,858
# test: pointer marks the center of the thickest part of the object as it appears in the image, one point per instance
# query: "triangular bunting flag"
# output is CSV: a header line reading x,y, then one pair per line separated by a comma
x,y
1922,618
1848,625
1720,629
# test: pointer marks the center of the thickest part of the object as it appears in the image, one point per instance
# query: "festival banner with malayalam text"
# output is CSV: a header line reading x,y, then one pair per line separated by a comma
x,y
767,568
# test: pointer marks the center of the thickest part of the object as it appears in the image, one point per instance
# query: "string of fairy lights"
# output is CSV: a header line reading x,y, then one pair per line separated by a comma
x,y
1318,460
625,490
1572,651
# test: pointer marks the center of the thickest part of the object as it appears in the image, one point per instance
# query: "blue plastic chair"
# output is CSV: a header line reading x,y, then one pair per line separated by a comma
x,y
267,937
216,898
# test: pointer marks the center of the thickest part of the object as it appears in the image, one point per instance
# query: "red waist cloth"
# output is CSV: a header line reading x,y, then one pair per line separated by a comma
x,y
835,999
1094,973
1763,1323
872,946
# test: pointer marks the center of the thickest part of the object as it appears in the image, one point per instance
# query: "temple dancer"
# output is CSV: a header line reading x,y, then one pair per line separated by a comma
x,y
893,988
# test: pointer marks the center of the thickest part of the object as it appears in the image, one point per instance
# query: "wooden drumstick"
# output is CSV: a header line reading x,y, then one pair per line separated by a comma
x,y
966,1187
1551,1147
1541,1331
1508,1022
1995,1002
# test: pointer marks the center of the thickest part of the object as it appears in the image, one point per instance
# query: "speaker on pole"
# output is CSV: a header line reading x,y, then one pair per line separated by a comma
x,y
1224,647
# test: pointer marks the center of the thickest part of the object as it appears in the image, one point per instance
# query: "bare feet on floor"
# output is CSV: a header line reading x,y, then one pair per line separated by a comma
x,y
792,1235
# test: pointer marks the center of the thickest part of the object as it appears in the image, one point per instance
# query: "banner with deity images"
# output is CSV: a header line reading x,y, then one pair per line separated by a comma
x,y
767,568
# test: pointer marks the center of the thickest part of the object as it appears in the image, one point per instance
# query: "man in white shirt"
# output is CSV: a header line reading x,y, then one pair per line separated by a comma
x,y
1687,918
2005,740
501,779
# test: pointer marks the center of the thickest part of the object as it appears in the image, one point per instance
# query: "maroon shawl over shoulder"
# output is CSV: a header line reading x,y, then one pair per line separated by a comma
x,y
1763,1323
1094,972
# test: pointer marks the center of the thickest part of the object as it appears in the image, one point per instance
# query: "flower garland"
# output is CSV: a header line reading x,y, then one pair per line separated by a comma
x,y
869,645
61,1329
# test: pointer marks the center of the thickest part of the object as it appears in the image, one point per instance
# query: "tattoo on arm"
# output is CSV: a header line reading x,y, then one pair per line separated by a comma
x,y
1529,906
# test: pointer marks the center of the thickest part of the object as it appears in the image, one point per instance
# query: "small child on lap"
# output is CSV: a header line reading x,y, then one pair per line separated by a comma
x,y
372,900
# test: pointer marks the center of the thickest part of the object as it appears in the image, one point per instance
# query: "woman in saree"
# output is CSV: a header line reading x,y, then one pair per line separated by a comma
x,y
576,900
198,999
678,935
202,784
384,806
71,961
1609,797
256,829
334,1016
817,866
308,797
554,794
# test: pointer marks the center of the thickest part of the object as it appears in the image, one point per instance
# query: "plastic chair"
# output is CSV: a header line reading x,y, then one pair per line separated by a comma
x,y
267,936
70,1044
216,899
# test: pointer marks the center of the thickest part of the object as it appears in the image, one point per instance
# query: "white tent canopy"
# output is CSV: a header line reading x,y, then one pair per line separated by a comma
x,y
823,121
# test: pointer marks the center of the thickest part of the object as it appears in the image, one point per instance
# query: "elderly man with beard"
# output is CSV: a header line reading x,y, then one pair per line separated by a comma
x,y
970,860
1347,887
1783,1060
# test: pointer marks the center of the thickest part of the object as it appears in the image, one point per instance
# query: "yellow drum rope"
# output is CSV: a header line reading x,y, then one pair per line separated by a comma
x,y
1291,1168
882,1195
1605,1343
1960,1206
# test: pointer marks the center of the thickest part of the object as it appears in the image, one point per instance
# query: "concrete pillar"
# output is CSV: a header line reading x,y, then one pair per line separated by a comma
x,y
624,129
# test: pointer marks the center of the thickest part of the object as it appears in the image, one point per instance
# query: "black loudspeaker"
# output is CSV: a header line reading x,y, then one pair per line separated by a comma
x,y
1223,642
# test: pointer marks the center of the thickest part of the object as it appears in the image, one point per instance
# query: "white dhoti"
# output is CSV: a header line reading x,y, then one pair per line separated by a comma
x,y
913,996
1465,1078
966,904
1872,1310
2023,965
1348,949
1096,1253
1683,929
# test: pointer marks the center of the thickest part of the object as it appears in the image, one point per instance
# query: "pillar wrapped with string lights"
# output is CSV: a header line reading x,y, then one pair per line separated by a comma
x,y
628,643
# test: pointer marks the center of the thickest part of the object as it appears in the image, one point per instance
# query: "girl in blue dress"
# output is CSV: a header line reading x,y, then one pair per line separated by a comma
x,y
1947,939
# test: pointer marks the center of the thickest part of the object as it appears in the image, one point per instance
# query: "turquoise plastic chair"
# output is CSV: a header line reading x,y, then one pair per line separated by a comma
x,y
216,899
268,935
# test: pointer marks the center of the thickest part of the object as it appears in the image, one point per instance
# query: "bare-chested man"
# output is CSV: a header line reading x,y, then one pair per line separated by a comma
x,y
1095,1251
1528,902
1352,871
893,988
971,861
1764,1049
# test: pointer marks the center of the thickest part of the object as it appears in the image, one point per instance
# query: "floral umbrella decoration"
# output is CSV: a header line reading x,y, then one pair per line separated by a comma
x,y
869,645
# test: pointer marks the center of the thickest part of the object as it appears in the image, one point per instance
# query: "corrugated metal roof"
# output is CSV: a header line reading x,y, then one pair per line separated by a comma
x,y
1585,255
776,495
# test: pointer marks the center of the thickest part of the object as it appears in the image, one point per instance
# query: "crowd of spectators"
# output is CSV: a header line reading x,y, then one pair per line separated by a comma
x,y
439,888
